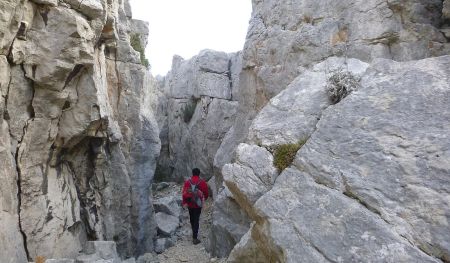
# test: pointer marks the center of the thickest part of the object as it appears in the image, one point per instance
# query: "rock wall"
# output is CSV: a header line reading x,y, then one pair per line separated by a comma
x,y
285,42
197,102
79,140
371,180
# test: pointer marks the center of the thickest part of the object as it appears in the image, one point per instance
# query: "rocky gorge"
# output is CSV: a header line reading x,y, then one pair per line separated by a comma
x,y
355,93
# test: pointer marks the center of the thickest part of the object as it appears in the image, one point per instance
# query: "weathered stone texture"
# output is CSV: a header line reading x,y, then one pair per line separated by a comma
x,y
293,114
287,38
80,131
229,225
196,98
11,239
371,181
166,224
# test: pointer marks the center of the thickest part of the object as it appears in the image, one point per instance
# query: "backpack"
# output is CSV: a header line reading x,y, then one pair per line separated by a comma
x,y
197,195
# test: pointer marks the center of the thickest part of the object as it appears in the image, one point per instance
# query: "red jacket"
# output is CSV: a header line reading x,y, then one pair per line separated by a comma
x,y
202,186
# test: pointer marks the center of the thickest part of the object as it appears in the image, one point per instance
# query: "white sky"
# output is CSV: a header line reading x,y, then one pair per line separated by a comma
x,y
184,27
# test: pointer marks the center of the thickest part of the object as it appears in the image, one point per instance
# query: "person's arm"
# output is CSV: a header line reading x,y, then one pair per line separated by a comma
x,y
204,189
184,194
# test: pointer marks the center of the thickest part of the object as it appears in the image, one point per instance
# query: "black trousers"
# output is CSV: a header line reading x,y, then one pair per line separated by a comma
x,y
194,216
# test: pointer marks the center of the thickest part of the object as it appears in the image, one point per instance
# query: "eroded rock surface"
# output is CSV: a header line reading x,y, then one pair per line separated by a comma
x,y
79,139
199,107
286,39
371,180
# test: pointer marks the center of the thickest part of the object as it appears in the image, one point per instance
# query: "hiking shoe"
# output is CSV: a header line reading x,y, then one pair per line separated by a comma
x,y
196,241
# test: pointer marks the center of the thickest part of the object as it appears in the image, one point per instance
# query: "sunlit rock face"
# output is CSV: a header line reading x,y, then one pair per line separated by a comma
x,y
197,104
283,97
370,179
79,140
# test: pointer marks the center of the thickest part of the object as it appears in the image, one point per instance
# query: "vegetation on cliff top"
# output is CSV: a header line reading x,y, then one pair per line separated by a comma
x,y
135,41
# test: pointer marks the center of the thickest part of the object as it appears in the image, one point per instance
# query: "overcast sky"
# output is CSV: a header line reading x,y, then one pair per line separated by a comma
x,y
184,27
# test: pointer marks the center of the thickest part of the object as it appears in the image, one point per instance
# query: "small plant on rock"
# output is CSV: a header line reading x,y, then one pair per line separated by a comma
x,y
284,154
340,84
135,41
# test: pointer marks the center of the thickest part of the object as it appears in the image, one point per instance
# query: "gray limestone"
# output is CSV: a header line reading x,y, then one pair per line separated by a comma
x,y
196,101
285,41
170,205
11,241
309,222
91,8
370,181
166,224
244,185
80,139
292,115
230,224
259,160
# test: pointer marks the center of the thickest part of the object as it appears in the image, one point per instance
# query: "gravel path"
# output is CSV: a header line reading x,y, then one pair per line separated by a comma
x,y
184,250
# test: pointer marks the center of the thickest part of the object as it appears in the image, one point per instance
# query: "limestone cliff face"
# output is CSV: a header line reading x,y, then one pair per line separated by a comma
x,y
371,179
197,104
79,141
287,49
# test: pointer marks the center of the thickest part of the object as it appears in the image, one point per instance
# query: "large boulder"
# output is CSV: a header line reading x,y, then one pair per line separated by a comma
x,y
293,114
370,180
287,38
303,221
166,224
170,205
229,225
99,252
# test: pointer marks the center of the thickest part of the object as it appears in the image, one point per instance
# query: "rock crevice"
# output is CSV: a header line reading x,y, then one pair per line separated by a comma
x,y
83,149
287,58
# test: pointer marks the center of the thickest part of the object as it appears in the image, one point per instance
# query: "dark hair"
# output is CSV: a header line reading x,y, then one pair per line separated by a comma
x,y
196,171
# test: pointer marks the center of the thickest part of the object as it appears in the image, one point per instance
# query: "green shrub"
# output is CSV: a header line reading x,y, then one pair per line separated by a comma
x,y
340,84
188,110
135,41
284,154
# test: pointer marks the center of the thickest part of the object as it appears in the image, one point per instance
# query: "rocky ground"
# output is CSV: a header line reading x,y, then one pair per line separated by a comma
x,y
183,249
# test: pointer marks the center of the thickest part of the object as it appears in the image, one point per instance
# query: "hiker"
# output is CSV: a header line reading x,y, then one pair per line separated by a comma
x,y
195,192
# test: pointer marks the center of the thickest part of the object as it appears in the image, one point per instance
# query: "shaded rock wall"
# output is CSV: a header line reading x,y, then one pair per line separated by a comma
x,y
79,138
197,104
284,41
